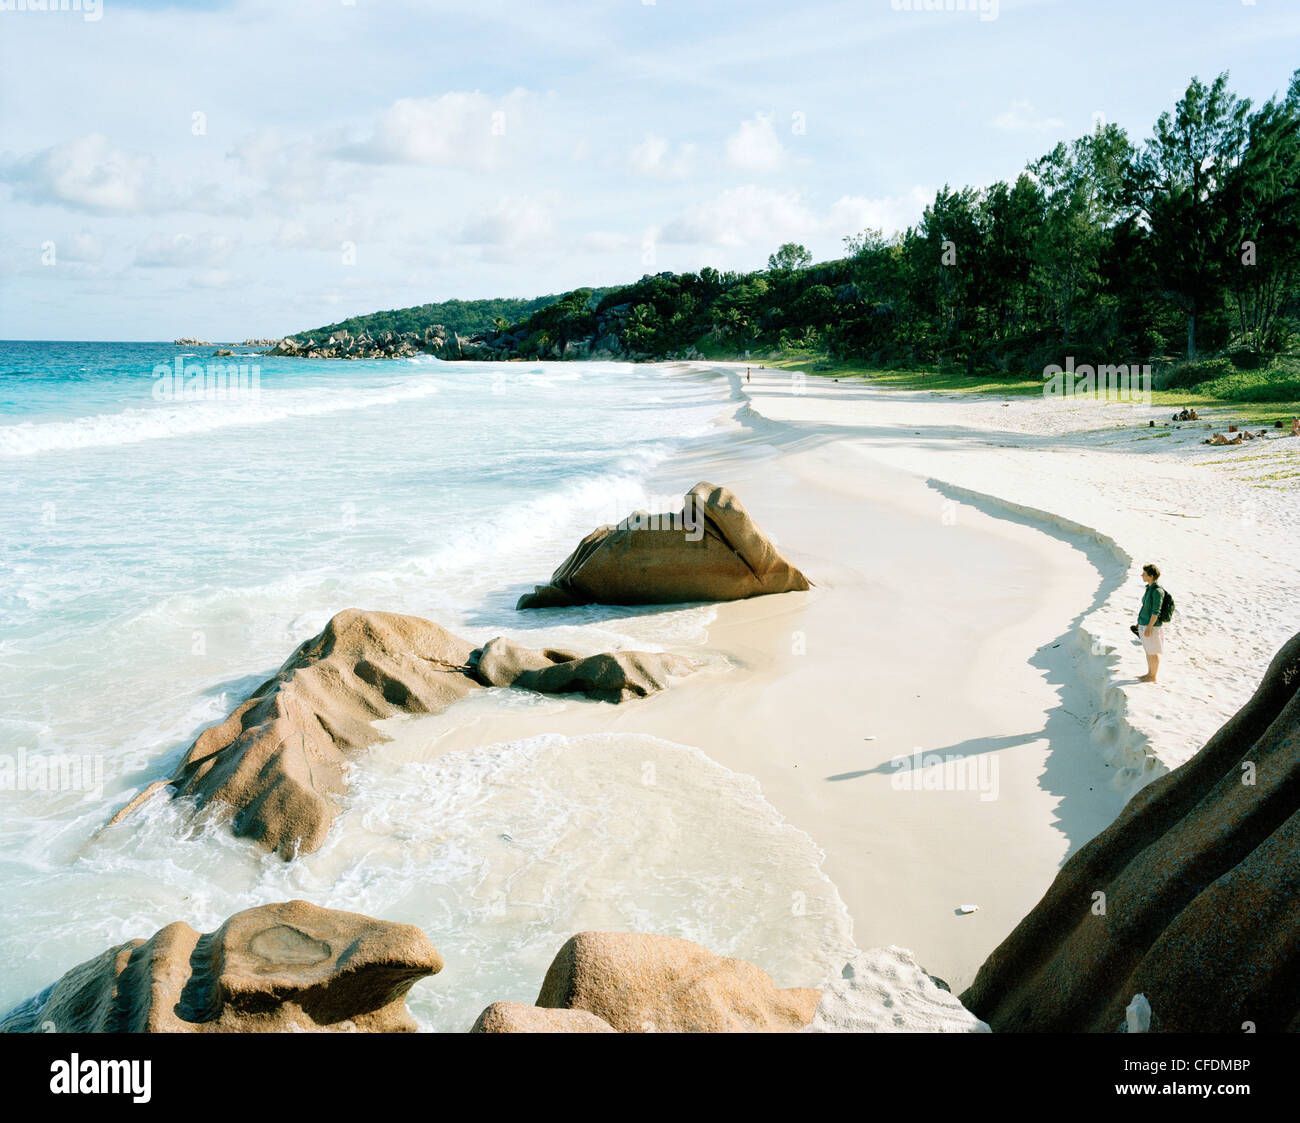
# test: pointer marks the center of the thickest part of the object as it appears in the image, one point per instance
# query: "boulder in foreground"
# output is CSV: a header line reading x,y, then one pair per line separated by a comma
x,y
517,1017
711,550
287,967
661,984
1188,898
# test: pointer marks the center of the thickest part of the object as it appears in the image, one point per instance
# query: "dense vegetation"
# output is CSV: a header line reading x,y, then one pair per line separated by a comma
x,y
463,316
1183,251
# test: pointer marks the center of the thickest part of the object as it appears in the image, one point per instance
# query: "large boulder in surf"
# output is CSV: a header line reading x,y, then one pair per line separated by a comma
x,y
286,967
610,676
661,984
1188,898
711,550
278,762
518,1017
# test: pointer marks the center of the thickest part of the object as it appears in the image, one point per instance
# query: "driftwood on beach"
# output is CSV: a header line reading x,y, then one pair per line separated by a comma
x,y
1191,897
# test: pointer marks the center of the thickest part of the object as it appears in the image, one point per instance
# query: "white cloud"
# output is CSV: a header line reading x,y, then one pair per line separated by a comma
x,y
456,129
305,234
288,169
743,216
176,251
1021,117
654,156
87,173
852,214
512,223
755,147
761,216
607,241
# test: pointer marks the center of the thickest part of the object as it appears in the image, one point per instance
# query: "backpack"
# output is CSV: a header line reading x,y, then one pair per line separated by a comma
x,y
1166,607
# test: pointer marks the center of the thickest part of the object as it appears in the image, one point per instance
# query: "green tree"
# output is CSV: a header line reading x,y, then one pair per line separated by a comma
x,y
1177,187
789,257
1082,187
1263,193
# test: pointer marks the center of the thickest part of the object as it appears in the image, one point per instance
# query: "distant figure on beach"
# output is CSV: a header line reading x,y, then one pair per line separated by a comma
x,y
1148,626
747,374
1295,426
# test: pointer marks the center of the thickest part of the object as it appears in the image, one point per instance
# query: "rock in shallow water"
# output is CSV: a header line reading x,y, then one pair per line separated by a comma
x,y
611,676
1189,898
276,968
711,550
278,761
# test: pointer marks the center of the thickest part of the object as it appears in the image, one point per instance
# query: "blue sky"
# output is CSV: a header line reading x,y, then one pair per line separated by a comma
x,y
253,168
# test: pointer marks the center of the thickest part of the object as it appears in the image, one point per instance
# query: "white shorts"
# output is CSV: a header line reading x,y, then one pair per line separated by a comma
x,y
1154,643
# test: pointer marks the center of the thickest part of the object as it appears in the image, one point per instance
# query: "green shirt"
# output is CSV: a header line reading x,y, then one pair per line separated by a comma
x,y
1152,601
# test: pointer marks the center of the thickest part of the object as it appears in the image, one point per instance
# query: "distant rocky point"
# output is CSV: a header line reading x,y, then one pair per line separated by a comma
x,y
495,345
186,341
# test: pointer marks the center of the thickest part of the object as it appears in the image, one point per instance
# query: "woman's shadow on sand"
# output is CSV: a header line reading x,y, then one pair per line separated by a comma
x,y
1088,803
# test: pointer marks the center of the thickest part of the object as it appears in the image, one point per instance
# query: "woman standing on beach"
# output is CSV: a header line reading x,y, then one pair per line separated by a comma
x,y
1149,628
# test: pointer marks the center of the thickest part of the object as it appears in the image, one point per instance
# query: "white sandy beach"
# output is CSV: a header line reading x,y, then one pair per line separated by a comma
x,y
938,723
976,571
1223,523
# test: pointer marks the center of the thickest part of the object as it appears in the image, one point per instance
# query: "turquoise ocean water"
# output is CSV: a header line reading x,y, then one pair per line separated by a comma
x,y
159,556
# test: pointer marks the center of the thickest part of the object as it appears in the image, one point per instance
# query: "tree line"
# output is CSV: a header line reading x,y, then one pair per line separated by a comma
x,y
1183,246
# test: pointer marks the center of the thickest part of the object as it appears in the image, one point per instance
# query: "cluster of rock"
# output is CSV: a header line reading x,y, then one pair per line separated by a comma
x,y
295,967
343,344
186,341
276,765
278,762
259,342
1189,898
628,982
710,550
604,342
1179,917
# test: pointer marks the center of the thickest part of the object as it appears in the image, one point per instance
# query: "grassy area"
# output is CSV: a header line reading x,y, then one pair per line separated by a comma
x,y
1256,414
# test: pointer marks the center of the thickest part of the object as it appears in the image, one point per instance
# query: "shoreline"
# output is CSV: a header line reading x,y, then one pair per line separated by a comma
x,y
1222,534
925,722
901,856
1051,659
